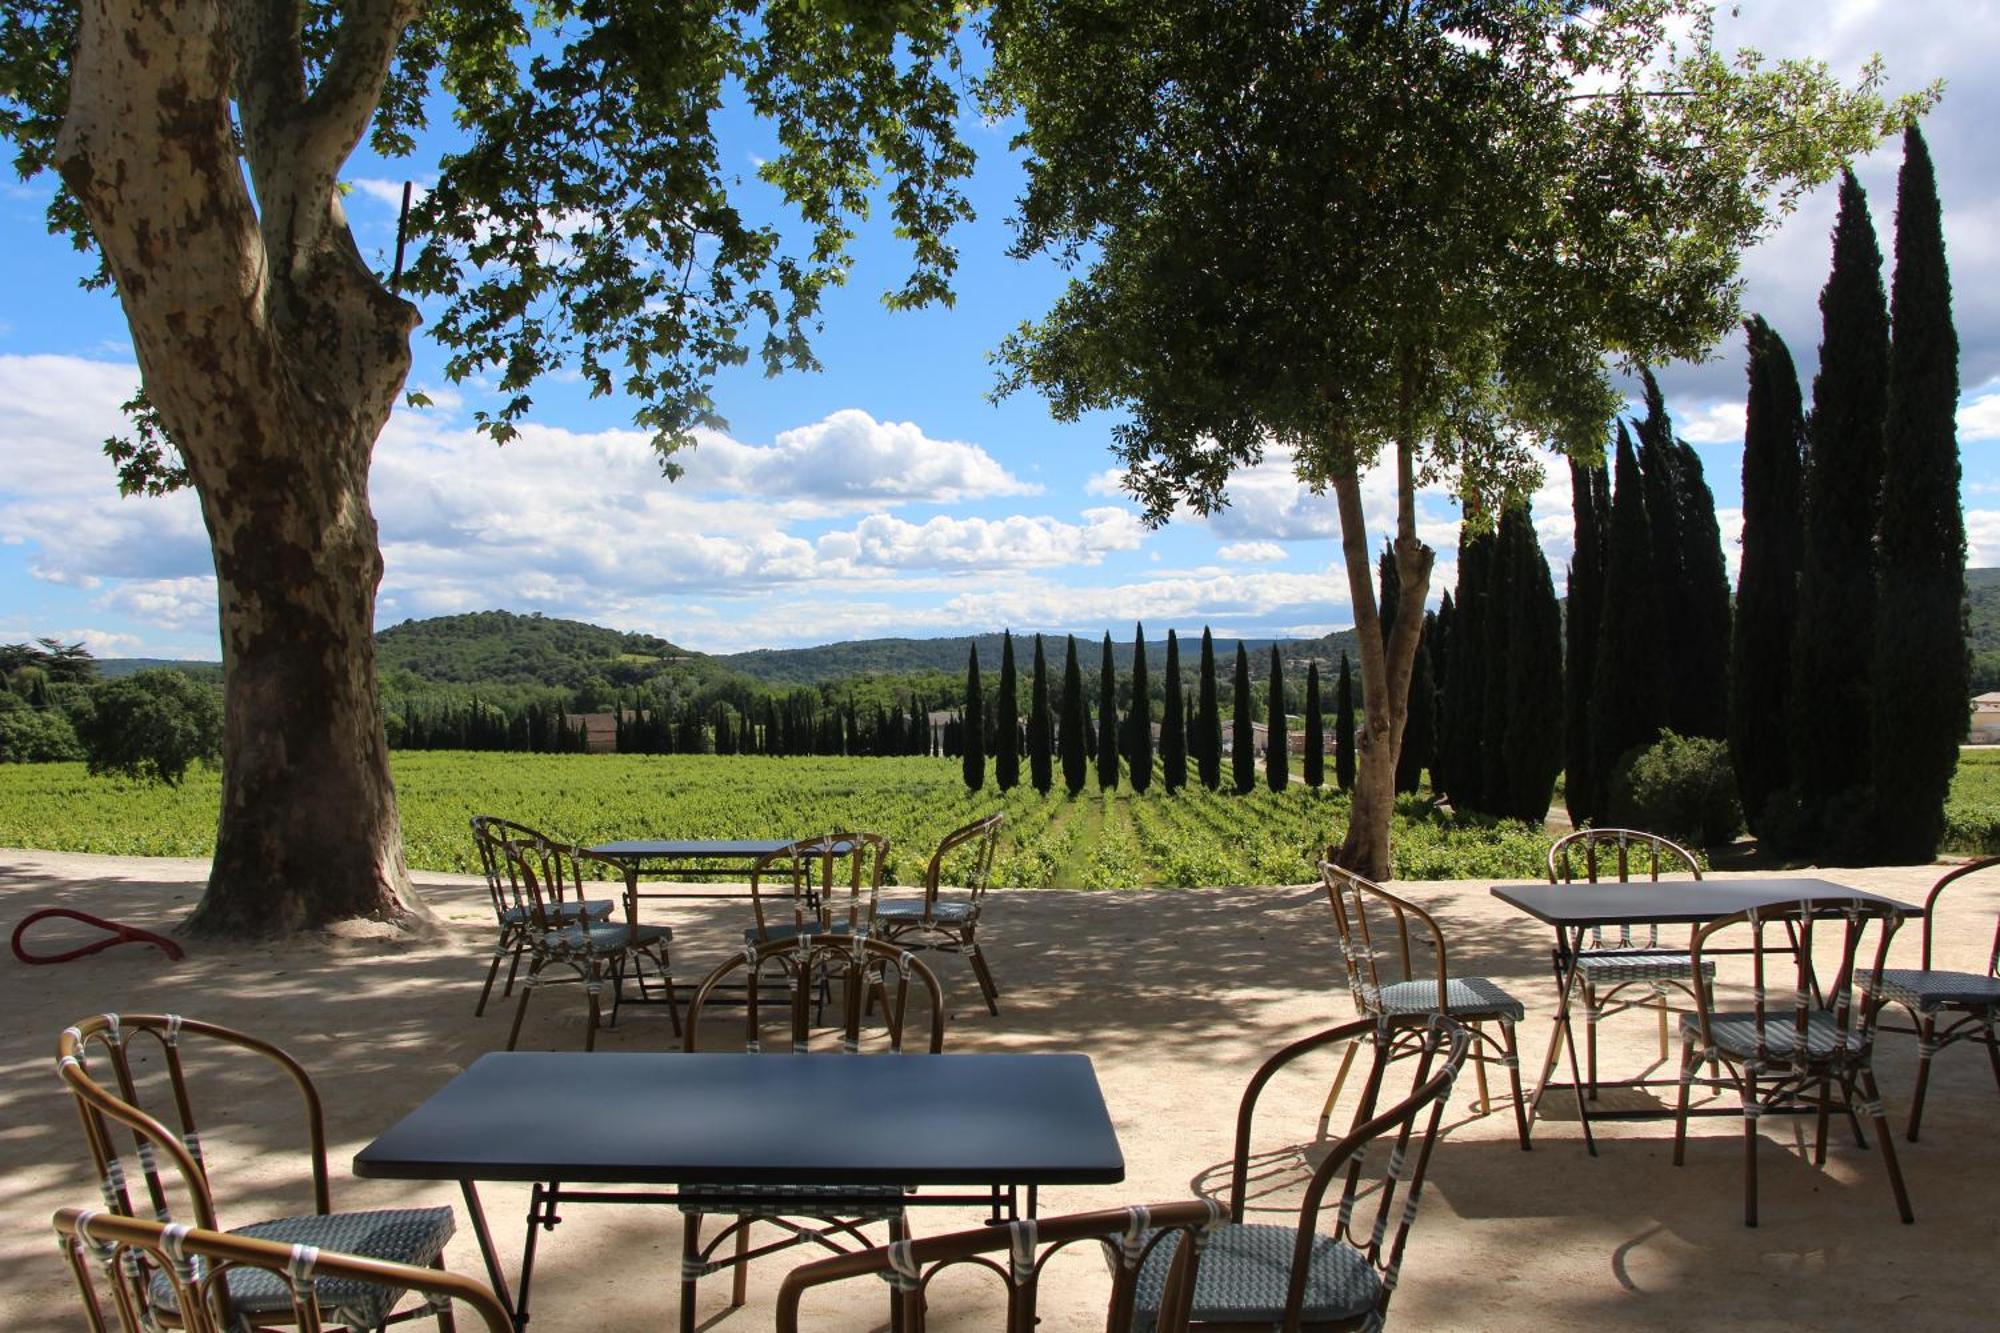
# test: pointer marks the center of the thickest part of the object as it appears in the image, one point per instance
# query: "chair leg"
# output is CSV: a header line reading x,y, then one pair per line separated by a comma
x,y
1752,1109
1926,1037
1993,1051
1479,1068
521,1006
446,1322
739,1278
690,1266
1660,1004
593,985
1681,1114
1819,1126
1333,1094
983,973
486,991
1512,1060
1879,1115
514,968
1591,1015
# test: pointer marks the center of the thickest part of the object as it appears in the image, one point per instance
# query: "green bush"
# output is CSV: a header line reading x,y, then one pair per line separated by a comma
x,y
152,724
37,736
1681,787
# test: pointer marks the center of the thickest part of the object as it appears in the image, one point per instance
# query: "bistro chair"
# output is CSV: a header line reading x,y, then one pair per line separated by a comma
x,y
174,1166
1974,997
823,884
1607,967
797,966
1129,1236
1798,1045
1265,1275
510,910
594,952
950,923
1372,921
207,1277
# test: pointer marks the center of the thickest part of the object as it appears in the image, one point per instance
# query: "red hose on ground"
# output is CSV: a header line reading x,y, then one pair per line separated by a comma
x,y
120,934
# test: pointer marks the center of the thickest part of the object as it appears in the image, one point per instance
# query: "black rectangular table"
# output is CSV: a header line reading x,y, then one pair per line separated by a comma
x,y
996,1122
1574,908
699,858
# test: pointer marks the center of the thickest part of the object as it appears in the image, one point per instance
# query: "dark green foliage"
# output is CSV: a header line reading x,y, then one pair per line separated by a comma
x,y
1107,722
1627,693
972,722
1590,503
152,725
1438,638
1527,733
1277,742
1040,725
59,663
1466,687
1173,722
1920,667
1315,756
1140,721
1680,787
1832,689
1074,729
1208,722
1688,575
1007,724
1767,592
1343,727
1420,727
37,736
1243,738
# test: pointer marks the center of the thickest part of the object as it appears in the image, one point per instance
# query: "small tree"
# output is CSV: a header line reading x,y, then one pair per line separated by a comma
x,y
1040,725
1529,732
1315,757
1173,725
1590,504
1209,729
1007,730
1075,724
1107,721
1277,752
1343,727
151,724
973,726
1141,719
1626,696
1243,748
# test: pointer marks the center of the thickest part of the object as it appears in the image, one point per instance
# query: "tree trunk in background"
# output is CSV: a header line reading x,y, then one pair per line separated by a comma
x,y
273,357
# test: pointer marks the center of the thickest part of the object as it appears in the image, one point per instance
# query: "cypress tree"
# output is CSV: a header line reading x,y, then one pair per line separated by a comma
x,y
1439,640
1590,504
1832,698
1495,780
1531,737
1626,693
1243,743
1920,658
1075,726
1107,722
1277,744
1704,661
1173,726
1040,725
972,726
1208,729
1420,727
1315,756
1007,731
1767,591
1465,698
1343,728
1141,720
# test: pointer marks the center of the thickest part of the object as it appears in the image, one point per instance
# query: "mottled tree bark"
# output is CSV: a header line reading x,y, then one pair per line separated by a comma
x,y
273,356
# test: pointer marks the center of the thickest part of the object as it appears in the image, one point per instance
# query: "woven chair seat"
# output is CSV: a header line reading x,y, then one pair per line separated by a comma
x,y
1468,997
603,937
944,913
1245,1271
1928,992
858,1203
790,931
1736,1033
597,909
1613,966
399,1235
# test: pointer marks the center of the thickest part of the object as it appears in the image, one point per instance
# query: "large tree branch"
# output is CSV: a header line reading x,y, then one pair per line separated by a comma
x,y
338,112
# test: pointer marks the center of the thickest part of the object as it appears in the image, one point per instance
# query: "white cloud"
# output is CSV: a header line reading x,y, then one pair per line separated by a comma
x,y
1111,481
174,604
1979,419
1251,552
1016,542
850,457
1982,538
1710,423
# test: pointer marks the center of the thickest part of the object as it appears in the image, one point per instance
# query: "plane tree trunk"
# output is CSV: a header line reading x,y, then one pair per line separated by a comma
x,y
273,357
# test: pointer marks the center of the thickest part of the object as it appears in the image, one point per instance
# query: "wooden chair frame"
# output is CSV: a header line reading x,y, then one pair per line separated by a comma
x,y
806,879
510,903
105,1114
954,934
801,965
1599,1005
1974,1021
196,1260
1129,1235
1350,895
1781,1068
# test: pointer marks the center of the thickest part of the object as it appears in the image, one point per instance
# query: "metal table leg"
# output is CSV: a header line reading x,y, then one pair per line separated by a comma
x,y
488,1254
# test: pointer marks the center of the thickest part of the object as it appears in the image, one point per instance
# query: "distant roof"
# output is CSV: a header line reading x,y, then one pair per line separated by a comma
x,y
1990,697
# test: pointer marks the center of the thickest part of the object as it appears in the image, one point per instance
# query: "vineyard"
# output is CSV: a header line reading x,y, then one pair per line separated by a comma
x,y
1096,840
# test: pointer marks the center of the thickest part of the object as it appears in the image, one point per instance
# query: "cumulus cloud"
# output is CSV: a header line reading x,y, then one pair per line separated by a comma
x,y
1251,552
1016,542
851,457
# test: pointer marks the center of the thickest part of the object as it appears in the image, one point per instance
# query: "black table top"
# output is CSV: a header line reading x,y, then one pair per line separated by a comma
x,y
602,1117
1671,901
641,849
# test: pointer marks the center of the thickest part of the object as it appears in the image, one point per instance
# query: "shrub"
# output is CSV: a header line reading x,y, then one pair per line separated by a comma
x,y
152,724
37,736
1679,787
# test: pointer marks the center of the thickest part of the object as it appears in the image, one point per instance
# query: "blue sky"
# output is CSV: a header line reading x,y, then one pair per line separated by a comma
x,y
886,494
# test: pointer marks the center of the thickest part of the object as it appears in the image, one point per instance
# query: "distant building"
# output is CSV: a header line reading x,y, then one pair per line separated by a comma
x,y
1985,719
600,731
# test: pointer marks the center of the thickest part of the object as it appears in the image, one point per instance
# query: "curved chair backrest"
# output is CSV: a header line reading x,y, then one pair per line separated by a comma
x,y
195,1260
864,965
1930,911
1618,853
984,837
1370,921
551,872
1127,1235
1375,1218
831,882
112,1112
1777,1006
492,836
